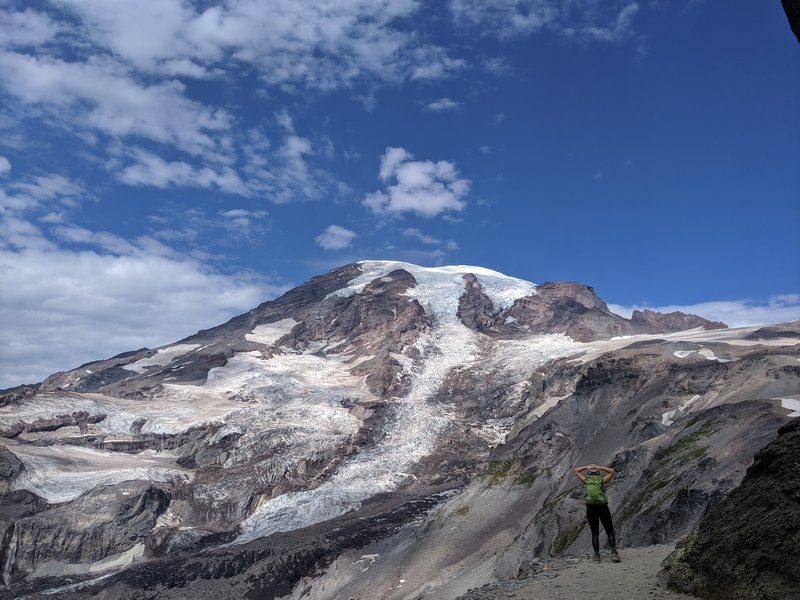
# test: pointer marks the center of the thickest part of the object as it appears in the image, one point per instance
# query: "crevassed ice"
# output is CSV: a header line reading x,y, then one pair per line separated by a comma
x,y
62,473
410,436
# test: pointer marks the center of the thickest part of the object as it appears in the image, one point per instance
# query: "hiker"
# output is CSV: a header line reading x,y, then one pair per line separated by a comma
x,y
597,506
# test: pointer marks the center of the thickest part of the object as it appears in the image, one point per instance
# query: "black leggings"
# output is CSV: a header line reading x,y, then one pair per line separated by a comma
x,y
596,514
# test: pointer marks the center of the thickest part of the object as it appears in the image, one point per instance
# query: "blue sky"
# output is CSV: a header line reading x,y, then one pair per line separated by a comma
x,y
167,164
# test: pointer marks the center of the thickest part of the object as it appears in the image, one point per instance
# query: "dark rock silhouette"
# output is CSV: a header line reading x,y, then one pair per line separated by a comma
x,y
792,8
748,547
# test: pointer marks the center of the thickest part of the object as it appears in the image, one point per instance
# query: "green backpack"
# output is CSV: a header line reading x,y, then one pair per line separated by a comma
x,y
593,490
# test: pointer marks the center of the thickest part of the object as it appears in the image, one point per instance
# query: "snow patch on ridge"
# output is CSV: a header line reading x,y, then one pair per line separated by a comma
x,y
666,418
269,333
163,357
792,404
62,473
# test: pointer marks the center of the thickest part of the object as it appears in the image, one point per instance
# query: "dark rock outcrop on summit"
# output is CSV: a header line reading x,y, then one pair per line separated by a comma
x,y
575,309
748,547
565,307
651,321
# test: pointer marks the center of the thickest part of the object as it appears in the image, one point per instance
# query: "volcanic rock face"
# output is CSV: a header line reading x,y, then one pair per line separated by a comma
x,y
748,547
385,430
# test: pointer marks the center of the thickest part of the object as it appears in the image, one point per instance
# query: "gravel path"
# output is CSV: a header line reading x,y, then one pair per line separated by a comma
x,y
635,578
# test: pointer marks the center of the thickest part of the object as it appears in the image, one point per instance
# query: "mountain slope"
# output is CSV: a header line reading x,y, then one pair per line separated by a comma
x,y
373,410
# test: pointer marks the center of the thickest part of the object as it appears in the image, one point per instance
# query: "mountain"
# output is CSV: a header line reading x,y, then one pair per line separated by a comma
x,y
381,431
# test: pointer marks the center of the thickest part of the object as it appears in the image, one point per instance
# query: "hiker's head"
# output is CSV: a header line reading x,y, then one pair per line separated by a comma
x,y
593,469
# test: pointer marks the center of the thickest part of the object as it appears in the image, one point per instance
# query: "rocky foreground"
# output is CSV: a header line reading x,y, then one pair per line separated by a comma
x,y
748,547
568,578
383,431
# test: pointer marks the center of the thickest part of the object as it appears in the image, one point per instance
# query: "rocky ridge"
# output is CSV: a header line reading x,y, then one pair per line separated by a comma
x,y
747,547
369,412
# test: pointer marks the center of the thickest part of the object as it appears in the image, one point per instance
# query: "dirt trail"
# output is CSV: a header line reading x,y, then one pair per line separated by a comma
x,y
635,578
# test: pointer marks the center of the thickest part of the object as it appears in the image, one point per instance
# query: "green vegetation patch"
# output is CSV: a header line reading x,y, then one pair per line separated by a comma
x,y
666,467
688,443
497,471
566,538
525,478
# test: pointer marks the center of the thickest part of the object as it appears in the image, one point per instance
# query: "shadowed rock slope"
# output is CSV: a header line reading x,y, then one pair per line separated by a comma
x,y
748,547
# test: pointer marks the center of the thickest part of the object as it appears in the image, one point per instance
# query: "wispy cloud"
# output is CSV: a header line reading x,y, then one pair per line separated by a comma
x,y
100,94
736,313
80,66
583,20
335,237
423,187
413,232
442,104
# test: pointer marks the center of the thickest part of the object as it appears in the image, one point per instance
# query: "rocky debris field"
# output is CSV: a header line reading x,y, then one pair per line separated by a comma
x,y
568,578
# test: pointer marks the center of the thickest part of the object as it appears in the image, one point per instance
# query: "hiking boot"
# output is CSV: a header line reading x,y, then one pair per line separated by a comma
x,y
614,556
596,557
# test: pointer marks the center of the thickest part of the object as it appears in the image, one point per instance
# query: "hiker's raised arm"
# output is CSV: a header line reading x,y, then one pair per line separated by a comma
x,y
609,473
579,473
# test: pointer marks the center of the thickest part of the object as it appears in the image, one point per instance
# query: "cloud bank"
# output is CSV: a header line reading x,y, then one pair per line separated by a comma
x,y
62,307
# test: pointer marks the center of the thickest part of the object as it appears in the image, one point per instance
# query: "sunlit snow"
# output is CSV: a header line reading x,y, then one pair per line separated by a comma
x,y
439,288
666,418
792,404
163,357
269,333
62,473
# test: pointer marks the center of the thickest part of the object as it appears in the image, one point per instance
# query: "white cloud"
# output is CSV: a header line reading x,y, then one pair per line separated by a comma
x,y
5,165
61,307
41,190
736,313
415,233
320,45
101,95
423,187
617,29
434,63
498,66
583,20
80,65
151,170
246,223
442,104
335,238
26,28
